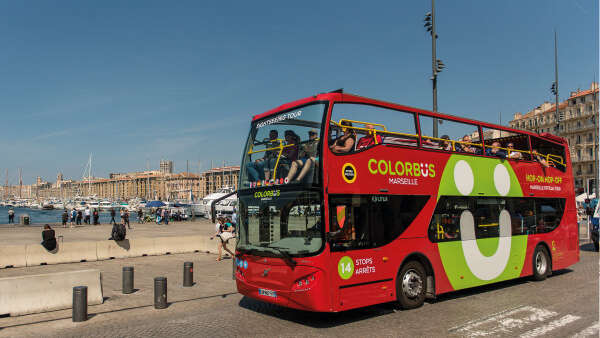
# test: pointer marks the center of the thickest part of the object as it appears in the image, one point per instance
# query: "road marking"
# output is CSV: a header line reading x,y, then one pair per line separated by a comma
x,y
590,331
504,322
555,324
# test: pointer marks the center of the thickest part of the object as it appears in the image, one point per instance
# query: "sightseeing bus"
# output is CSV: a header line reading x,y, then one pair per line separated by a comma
x,y
347,201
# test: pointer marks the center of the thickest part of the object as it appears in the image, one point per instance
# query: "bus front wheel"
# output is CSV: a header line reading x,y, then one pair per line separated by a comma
x,y
541,263
411,285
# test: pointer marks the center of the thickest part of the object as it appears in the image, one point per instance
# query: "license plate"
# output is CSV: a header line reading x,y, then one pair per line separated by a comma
x,y
268,293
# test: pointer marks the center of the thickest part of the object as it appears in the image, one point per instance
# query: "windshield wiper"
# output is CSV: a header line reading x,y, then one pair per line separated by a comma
x,y
285,254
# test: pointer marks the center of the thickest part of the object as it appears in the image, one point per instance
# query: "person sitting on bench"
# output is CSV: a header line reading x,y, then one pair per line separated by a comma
x,y
48,238
118,232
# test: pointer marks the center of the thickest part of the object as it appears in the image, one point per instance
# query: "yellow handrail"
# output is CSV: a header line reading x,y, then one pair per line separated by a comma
x,y
364,123
374,131
280,147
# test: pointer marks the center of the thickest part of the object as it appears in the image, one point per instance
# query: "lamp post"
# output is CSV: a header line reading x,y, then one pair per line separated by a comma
x,y
554,88
436,65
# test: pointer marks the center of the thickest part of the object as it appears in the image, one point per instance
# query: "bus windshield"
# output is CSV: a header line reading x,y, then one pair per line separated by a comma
x,y
276,222
284,148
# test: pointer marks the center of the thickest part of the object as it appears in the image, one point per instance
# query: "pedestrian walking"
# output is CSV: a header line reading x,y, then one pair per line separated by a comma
x,y
140,215
126,219
79,217
87,214
234,217
112,216
73,217
224,231
158,216
166,215
65,218
11,216
96,217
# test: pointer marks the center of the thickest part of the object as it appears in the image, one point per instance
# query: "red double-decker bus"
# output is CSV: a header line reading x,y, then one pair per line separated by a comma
x,y
346,201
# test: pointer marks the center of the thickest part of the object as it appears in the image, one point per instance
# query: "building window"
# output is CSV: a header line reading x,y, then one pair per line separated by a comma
x,y
578,153
578,139
590,168
591,152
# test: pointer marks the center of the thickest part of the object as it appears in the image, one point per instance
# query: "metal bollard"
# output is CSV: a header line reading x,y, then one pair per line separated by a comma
x,y
160,292
127,279
188,274
80,304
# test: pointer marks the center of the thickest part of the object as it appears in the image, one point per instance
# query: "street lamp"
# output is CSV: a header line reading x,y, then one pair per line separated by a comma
x,y
436,65
554,88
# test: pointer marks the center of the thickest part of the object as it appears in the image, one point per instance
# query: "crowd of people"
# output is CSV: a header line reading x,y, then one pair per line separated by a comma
x,y
345,143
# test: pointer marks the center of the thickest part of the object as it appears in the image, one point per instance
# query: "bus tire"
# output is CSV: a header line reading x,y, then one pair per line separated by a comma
x,y
541,263
411,285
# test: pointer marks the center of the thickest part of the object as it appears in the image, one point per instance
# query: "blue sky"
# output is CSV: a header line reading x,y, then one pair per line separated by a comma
x,y
137,81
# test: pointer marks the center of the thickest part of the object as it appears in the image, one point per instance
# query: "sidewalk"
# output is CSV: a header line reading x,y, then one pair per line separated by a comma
x,y
22,235
213,281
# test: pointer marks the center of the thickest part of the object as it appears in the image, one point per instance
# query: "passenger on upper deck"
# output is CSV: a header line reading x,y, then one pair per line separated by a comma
x,y
539,158
261,167
308,157
513,154
446,145
369,139
345,143
495,150
290,153
466,147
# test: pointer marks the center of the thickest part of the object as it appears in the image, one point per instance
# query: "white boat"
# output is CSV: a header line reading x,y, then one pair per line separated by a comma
x,y
204,208
225,207
93,205
107,205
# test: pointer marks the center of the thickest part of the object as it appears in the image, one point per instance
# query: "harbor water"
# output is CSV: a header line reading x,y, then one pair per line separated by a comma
x,y
39,217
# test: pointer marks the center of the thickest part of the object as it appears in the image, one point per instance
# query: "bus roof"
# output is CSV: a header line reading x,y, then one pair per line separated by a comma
x,y
339,96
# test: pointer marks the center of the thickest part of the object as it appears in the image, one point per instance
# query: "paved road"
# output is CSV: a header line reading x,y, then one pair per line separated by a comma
x,y
17,235
565,305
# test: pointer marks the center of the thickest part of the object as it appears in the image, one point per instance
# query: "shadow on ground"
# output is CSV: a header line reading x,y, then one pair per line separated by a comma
x,y
329,320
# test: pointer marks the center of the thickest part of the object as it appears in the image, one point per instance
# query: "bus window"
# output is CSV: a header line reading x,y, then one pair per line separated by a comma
x,y
521,214
368,221
487,217
370,126
528,216
463,137
549,212
506,144
283,148
551,153
445,223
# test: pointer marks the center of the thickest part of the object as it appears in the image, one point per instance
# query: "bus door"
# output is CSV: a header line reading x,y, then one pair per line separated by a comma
x,y
362,273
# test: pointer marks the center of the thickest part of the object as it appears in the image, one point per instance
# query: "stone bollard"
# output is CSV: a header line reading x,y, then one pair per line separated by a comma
x,y
160,292
80,304
127,279
188,274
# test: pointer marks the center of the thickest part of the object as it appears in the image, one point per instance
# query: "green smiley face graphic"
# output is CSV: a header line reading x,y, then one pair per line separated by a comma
x,y
471,261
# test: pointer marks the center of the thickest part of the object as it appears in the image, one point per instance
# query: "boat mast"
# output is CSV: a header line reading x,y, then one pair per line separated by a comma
x,y
90,175
20,182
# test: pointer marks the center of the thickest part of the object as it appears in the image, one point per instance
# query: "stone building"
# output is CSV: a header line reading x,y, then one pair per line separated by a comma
x,y
150,185
578,123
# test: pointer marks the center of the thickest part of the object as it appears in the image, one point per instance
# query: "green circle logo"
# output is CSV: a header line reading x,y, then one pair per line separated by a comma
x,y
345,267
